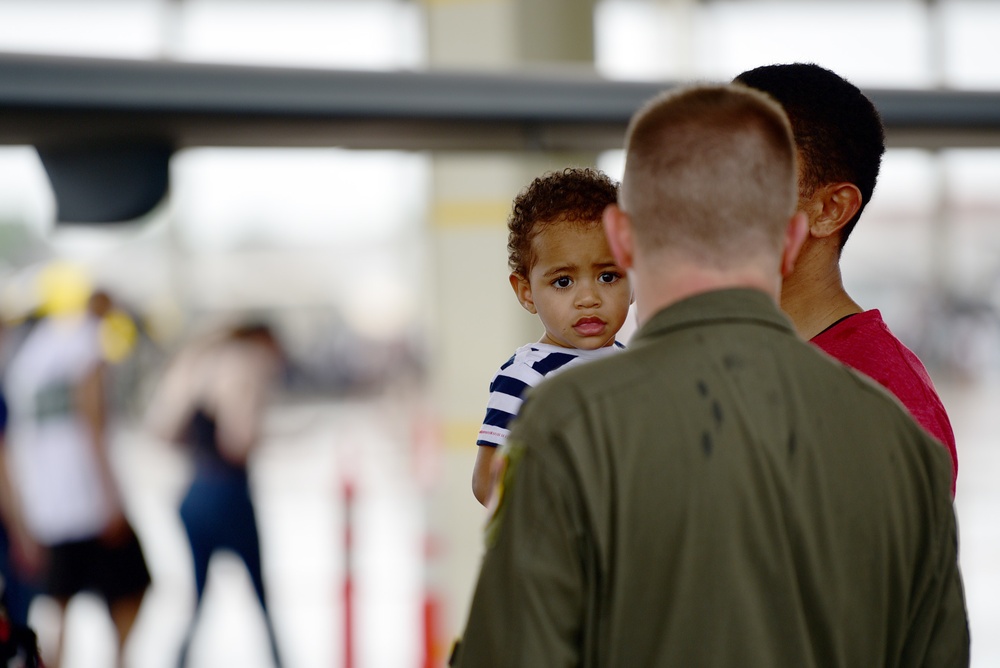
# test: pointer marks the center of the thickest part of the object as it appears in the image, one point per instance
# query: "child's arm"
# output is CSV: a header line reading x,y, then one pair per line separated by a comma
x,y
506,388
482,482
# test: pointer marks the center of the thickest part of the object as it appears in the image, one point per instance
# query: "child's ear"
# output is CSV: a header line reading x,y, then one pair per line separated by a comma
x,y
522,288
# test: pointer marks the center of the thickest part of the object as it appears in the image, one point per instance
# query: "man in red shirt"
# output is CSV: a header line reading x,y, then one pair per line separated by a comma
x,y
840,142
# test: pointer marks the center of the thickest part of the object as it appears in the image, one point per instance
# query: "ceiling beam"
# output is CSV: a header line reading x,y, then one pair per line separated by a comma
x,y
69,101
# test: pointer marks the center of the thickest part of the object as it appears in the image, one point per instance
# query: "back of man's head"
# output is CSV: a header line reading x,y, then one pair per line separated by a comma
x,y
710,172
838,131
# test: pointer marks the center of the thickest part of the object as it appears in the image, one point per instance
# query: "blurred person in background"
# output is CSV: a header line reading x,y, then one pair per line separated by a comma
x,y
20,555
212,399
840,141
59,460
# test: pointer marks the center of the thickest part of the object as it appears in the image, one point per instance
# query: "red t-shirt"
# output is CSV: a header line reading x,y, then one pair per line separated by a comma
x,y
864,342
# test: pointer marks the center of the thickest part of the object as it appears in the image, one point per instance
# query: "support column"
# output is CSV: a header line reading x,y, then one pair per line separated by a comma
x,y
475,321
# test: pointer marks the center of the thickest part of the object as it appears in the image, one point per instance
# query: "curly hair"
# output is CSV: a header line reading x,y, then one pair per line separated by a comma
x,y
577,195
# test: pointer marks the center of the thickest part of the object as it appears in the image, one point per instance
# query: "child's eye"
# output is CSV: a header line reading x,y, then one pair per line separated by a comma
x,y
563,282
609,277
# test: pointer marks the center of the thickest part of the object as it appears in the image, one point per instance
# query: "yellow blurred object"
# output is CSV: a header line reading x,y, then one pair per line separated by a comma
x,y
118,335
64,289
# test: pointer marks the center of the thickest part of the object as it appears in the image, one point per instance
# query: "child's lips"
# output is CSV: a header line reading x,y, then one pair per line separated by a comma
x,y
589,326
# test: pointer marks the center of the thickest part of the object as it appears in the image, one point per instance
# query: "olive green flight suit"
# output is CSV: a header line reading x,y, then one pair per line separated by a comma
x,y
720,494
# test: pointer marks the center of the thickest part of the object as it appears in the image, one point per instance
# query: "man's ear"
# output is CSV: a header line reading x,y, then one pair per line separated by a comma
x,y
831,207
522,288
795,236
618,230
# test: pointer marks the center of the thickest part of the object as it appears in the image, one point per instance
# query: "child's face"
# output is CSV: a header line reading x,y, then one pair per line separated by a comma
x,y
575,287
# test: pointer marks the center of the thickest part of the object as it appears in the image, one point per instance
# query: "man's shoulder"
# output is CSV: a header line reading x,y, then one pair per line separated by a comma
x,y
864,339
624,375
865,343
868,406
873,401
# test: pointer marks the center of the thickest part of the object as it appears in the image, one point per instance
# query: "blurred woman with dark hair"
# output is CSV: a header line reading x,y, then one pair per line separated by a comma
x,y
212,400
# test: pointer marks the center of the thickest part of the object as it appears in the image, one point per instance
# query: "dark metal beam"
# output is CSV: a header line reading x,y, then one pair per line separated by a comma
x,y
47,100
106,129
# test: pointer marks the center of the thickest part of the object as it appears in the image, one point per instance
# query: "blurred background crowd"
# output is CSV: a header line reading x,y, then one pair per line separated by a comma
x,y
374,270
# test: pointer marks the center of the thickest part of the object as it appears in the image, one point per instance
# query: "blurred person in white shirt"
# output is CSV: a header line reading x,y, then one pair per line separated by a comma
x,y
59,460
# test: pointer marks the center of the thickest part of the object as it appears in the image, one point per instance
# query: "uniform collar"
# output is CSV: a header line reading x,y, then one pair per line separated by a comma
x,y
717,306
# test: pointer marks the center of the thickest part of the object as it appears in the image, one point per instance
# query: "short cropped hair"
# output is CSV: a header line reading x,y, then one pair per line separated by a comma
x,y
710,170
838,131
577,195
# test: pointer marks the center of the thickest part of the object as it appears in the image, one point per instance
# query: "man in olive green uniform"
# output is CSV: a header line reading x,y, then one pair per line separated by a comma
x,y
721,494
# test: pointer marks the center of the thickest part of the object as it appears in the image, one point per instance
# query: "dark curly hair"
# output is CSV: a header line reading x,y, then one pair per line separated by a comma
x,y
838,131
577,195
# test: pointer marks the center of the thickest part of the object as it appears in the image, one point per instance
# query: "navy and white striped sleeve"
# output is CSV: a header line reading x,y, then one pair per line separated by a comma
x,y
504,402
509,385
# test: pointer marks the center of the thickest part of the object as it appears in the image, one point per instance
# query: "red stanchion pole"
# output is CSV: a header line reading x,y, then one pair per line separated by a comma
x,y
348,590
432,653
426,439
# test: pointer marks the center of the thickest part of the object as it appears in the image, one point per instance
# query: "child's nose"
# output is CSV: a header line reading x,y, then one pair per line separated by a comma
x,y
587,296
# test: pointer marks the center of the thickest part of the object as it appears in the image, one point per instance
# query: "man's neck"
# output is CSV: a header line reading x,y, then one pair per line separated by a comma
x,y
677,279
813,296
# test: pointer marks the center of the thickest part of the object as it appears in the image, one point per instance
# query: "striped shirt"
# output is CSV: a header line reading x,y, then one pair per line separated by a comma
x,y
526,368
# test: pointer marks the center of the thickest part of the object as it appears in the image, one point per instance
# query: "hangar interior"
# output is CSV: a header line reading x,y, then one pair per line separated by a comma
x,y
346,167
